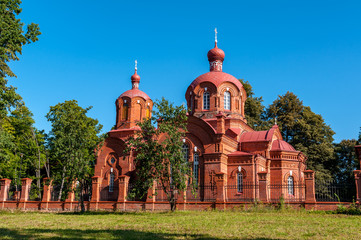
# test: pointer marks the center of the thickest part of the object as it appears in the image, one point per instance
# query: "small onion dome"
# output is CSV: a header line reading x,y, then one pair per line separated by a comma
x,y
135,77
215,54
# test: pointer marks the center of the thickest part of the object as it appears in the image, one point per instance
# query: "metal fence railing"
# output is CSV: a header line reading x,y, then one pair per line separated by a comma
x,y
331,191
289,193
247,192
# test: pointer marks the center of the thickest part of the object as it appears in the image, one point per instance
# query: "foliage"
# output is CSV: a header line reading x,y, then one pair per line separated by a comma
x,y
71,142
20,142
346,160
306,131
253,108
158,151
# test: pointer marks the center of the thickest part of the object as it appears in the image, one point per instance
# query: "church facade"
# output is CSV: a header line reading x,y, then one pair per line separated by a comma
x,y
222,149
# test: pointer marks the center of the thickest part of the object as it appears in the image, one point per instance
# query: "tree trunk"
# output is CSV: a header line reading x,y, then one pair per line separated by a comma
x,y
38,183
62,184
172,201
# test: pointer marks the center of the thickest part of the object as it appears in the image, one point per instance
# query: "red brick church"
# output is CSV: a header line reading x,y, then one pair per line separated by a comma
x,y
222,149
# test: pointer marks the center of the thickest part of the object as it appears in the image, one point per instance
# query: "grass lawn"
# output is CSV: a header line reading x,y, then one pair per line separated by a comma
x,y
180,225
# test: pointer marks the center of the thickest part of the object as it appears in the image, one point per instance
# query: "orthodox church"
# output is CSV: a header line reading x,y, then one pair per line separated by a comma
x,y
218,140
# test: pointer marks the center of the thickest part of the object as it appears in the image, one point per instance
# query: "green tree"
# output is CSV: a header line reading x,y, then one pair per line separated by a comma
x,y
12,39
161,161
72,140
253,108
347,161
306,131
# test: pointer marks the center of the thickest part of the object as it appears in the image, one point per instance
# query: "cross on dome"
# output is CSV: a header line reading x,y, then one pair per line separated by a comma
x,y
215,35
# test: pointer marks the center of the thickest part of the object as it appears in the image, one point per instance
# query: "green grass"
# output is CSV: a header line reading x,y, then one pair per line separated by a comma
x,y
180,225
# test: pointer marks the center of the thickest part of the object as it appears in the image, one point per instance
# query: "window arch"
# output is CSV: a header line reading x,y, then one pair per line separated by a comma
x,y
196,168
185,151
239,182
290,185
125,111
111,182
227,100
206,100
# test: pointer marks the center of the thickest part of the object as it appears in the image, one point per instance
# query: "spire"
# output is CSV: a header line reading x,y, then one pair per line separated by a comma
x,y
135,78
215,37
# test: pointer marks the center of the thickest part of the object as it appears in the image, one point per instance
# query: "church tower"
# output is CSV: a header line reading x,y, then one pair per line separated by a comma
x,y
133,105
216,91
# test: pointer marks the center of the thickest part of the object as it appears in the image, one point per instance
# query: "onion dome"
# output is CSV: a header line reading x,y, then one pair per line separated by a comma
x,y
215,54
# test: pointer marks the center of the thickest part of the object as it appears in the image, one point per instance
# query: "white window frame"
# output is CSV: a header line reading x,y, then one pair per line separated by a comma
x,y
227,100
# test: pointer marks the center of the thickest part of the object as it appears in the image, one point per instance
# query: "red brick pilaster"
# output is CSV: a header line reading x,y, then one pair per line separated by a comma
x,y
263,191
71,194
357,174
221,190
151,196
123,188
220,123
310,200
25,188
96,181
4,192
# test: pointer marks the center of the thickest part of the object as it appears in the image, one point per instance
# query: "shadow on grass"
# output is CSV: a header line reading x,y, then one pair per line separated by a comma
x,y
37,233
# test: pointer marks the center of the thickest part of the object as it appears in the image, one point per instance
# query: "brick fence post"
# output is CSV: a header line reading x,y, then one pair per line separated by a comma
x,y
4,192
310,198
46,193
221,191
70,198
96,181
357,174
263,191
25,188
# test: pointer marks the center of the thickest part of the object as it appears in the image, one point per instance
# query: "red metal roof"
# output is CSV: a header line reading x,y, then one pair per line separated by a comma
x,y
135,93
280,145
217,78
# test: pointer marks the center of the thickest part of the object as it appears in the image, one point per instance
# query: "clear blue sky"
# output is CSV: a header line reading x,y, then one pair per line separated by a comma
x,y
87,51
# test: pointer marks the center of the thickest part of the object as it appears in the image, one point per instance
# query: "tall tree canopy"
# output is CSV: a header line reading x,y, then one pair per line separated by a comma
x,y
21,145
161,161
347,161
253,108
72,140
306,131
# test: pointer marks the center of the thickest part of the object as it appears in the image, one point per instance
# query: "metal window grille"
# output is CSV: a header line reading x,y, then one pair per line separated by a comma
x,y
185,150
239,182
290,185
206,101
111,182
196,167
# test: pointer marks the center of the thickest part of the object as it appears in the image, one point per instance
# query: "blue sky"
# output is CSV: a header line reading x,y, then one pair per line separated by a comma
x,y
87,51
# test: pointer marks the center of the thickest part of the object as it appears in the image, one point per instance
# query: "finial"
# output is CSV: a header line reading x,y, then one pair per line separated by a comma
x,y
215,35
136,65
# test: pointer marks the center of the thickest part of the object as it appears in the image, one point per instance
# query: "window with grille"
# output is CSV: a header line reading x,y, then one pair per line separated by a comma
x,y
185,150
206,100
195,167
227,101
111,182
239,182
290,185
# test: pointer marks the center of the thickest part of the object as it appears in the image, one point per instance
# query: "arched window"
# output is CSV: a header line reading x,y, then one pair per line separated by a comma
x,y
227,101
240,105
195,168
185,151
206,101
239,182
147,113
290,185
111,182
125,111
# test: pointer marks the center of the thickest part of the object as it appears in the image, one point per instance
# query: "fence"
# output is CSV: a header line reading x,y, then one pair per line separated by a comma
x,y
331,191
107,194
202,193
247,192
